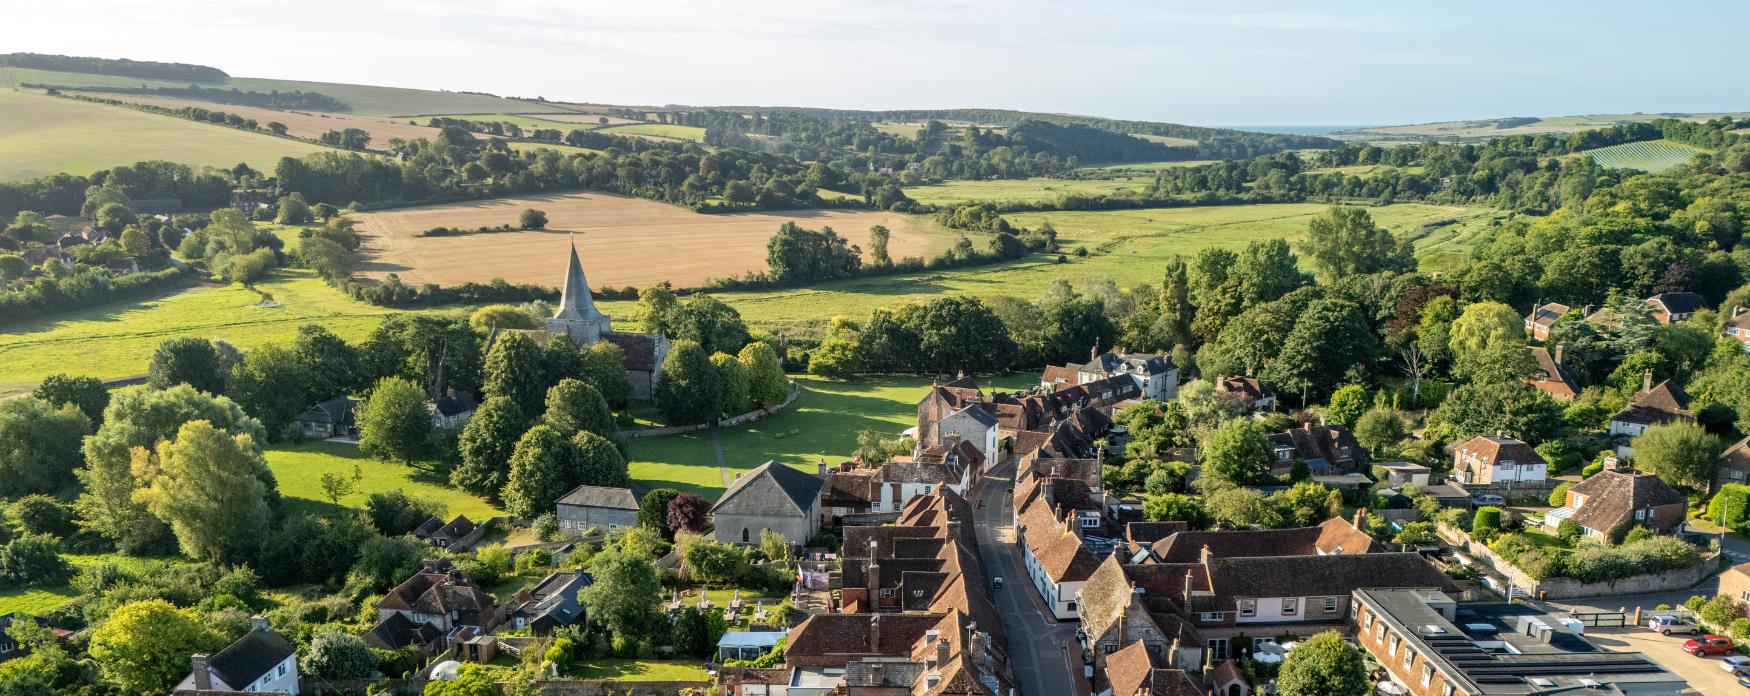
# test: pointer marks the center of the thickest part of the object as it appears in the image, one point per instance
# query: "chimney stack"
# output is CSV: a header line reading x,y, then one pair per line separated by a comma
x,y
823,466
203,676
941,651
1646,380
258,623
1558,354
1188,586
1360,518
1204,556
875,634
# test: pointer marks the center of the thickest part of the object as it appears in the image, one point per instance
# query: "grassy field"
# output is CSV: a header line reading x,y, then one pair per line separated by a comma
x,y
822,424
1127,246
37,601
1484,129
369,100
529,121
117,340
1365,169
299,470
42,135
1165,139
623,240
619,669
1029,190
1652,156
1149,166
298,123
657,130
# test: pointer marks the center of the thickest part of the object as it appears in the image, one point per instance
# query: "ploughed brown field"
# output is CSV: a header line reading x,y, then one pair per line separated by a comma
x,y
623,241
298,123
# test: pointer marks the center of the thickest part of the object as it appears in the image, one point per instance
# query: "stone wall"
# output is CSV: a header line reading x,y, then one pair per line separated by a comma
x,y
1569,588
743,419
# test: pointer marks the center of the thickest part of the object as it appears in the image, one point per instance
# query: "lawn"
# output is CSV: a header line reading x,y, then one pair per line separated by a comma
x,y
1652,156
1126,246
37,601
299,469
639,670
1027,190
117,340
42,135
821,424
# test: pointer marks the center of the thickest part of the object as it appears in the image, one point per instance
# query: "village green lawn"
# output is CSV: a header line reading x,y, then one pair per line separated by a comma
x,y
1129,247
822,424
1025,190
299,469
117,340
639,670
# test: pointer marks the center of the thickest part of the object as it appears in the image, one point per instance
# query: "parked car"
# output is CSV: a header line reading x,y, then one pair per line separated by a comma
x,y
1708,645
1744,682
1488,499
1671,623
1736,664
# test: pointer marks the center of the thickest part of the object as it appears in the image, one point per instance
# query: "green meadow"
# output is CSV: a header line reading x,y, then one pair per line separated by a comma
x,y
660,130
299,469
117,340
1037,189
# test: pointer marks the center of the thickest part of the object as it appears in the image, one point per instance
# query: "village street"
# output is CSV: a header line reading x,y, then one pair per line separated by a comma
x,y
1042,650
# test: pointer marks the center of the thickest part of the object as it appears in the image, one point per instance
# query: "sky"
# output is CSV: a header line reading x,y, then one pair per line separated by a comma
x,y
1203,63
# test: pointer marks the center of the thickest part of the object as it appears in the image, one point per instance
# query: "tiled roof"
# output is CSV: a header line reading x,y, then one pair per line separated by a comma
x,y
331,411
435,593
836,638
852,488
243,662
1612,495
1326,444
1548,313
1677,302
1661,404
1320,576
1490,450
456,529
639,349
601,497
1060,375
771,484
1736,457
1551,377
1248,387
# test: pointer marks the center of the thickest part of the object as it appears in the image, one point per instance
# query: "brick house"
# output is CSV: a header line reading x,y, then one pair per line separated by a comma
x,y
1497,460
1539,321
1617,498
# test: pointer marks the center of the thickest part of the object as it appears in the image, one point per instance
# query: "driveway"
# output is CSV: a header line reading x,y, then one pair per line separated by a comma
x,y
1042,651
1703,673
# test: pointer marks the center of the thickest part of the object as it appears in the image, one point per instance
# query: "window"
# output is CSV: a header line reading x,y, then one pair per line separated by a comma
x,y
1392,647
1282,455
1248,607
1378,631
1446,690
1330,605
926,490
744,535
282,670
1108,648
1089,522
1367,622
1427,675
886,592
1409,657
1640,514
1290,606
1217,649
1209,616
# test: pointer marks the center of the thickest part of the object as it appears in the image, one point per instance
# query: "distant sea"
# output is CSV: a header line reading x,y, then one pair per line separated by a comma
x,y
1295,130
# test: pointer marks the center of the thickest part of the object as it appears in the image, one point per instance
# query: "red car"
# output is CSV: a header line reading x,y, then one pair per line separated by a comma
x,y
1708,645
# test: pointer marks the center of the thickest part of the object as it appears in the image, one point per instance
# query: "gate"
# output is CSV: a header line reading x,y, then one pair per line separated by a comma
x,y
1602,619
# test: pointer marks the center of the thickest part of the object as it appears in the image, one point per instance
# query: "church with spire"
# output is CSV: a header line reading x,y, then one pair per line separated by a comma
x,y
579,320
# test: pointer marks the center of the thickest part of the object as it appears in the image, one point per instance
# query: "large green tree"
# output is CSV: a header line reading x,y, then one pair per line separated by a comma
x,y
187,360
958,333
1343,241
209,490
1683,454
573,405
1484,336
1236,454
516,370
540,472
395,423
143,646
597,461
766,384
1324,665
39,446
485,445
626,596
272,384
687,388
1329,340
604,367
733,389
87,393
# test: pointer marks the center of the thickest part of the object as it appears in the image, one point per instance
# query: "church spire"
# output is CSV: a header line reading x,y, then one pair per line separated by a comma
x,y
575,301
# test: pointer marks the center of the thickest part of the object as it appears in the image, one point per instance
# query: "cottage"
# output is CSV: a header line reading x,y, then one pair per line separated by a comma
x,y
261,660
452,410
606,509
1552,376
1652,405
1256,396
1051,515
428,607
1669,307
1540,320
772,496
438,533
1498,461
1738,327
1138,670
551,604
1156,376
1735,463
1615,499
332,418
1326,449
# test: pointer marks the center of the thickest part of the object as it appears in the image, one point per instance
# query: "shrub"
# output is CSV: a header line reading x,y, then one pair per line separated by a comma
x,y
1591,469
532,219
1569,531
1559,496
1739,628
1720,612
1728,507
1486,520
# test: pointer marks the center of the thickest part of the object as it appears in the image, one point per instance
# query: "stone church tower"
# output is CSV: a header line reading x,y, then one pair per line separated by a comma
x,y
578,318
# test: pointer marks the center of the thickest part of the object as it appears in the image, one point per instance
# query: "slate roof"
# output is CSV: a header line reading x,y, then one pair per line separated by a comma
x,y
600,497
428,592
1737,457
1143,363
556,598
1248,387
1322,446
454,403
768,488
1320,576
338,411
1612,496
1661,404
1677,302
243,662
428,527
977,413
854,488
397,631
456,529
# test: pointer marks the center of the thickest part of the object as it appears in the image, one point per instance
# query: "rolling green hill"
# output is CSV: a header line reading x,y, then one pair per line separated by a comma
x,y
42,135
1651,156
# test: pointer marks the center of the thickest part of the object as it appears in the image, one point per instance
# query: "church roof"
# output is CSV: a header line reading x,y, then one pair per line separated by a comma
x,y
575,301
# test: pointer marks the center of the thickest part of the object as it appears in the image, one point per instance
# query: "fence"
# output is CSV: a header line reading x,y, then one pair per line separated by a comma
x,y
749,417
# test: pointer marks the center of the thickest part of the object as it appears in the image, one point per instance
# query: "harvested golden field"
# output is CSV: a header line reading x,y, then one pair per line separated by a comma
x,y
298,123
623,241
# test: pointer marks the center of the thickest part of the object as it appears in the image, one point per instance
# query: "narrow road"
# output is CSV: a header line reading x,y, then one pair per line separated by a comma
x,y
1042,651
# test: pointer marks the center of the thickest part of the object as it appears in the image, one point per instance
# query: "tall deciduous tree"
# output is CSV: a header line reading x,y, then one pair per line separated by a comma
x,y
143,646
271,383
209,490
87,393
39,446
958,333
732,384
331,365
186,360
597,461
1486,342
516,370
1343,241
394,423
486,443
688,512
687,388
766,384
604,367
1328,340
1267,270
562,358
626,596
1683,454
540,472
1236,453
573,406
653,509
